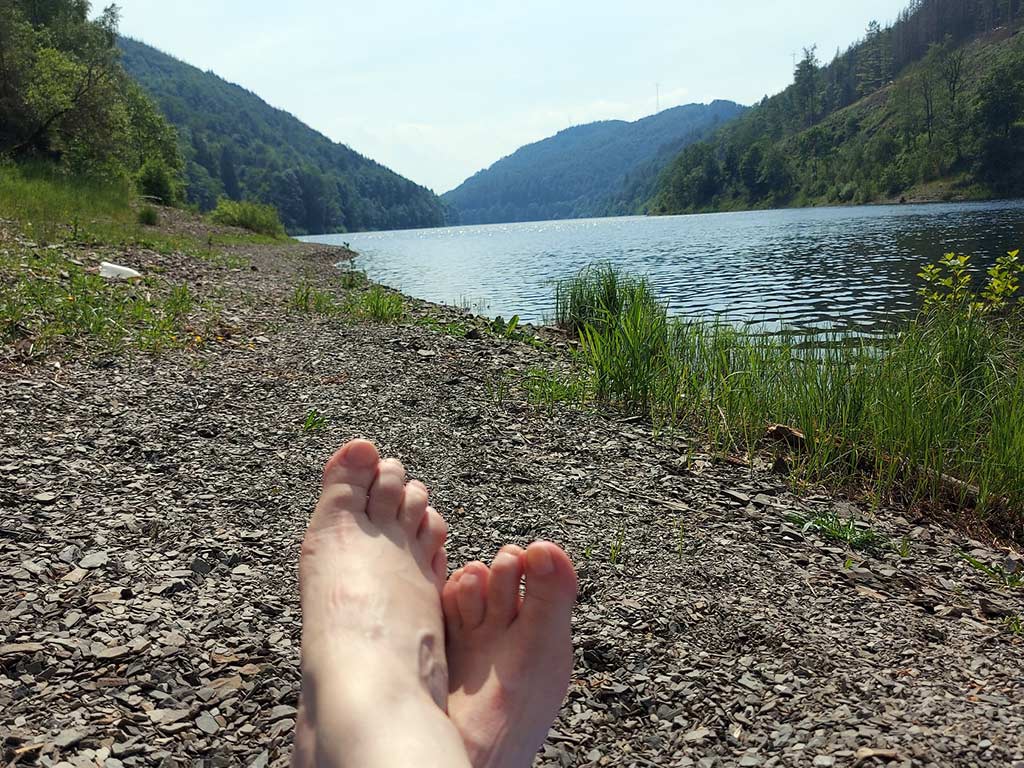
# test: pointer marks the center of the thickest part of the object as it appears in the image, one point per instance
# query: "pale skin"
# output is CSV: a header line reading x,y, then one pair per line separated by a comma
x,y
400,667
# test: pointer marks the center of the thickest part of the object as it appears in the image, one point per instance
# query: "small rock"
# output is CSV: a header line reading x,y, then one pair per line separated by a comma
x,y
207,724
94,560
282,711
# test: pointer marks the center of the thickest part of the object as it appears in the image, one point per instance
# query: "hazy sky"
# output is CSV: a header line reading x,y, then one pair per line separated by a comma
x,y
437,91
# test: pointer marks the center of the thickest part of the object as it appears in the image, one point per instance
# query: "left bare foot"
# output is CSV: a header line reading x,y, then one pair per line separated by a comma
x,y
374,678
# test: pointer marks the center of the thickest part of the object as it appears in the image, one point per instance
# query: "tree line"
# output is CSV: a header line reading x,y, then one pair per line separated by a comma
x,y
937,96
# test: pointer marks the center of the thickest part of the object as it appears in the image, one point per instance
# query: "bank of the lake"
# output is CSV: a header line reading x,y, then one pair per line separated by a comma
x,y
153,506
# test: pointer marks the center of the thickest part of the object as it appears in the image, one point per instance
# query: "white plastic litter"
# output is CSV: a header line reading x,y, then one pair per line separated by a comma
x,y
117,272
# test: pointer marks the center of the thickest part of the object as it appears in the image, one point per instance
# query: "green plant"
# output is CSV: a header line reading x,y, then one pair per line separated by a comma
x,y
1014,625
544,387
148,216
597,295
314,421
901,547
848,531
256,217
377,304
1008,579
499,387
616,551
948,283
156,182
309,300
352,278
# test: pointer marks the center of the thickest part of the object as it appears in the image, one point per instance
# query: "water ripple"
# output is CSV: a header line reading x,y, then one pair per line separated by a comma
x,y
845,268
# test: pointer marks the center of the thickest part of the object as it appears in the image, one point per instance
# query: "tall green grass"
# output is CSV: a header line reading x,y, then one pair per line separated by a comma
x,y
50,207
256,217
931,414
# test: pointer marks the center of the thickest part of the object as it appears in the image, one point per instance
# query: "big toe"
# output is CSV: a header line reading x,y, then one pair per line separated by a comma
x,y
348,475
550,584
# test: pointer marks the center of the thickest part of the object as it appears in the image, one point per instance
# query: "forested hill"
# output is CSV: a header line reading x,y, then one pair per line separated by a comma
x,y
931,107
235,144
588,170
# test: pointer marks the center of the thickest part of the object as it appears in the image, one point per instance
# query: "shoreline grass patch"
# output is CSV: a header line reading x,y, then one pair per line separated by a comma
x,y
932,413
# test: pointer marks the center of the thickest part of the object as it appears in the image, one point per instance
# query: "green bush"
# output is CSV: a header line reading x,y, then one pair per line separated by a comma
x,y
256,217
148,216
157,182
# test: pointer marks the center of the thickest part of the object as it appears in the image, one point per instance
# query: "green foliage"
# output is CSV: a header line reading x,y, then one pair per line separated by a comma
x,y
595,295
949,283
314,421
932,413
1008,579
587,170
237,146
256,217
547,388
845,530
919,107
65,98
148,216
309,300
377,304
156,181
50,301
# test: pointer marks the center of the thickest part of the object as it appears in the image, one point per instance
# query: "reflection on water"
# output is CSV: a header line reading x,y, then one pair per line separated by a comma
x,y
843,268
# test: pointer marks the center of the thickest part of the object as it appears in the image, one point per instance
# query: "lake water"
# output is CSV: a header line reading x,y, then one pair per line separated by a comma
x,y
845,268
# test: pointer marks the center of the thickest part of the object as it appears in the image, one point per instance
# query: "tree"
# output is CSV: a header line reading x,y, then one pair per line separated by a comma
x,y
64,96
228,175
805,86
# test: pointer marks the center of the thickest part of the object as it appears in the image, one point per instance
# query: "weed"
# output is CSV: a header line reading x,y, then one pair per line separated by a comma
x,y
616,552
314,422
1008,579
1014,625
148,217
547,388
353,278
901,547
309,300
256,217
845,530
499,387
377,304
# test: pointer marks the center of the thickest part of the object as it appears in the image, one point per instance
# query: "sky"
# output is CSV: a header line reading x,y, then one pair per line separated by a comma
x,y
437,91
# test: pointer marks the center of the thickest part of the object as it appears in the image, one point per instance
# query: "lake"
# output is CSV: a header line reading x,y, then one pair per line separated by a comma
x,y
808,269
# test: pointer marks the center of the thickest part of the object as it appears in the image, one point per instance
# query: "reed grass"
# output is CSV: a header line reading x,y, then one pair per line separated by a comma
x,y
932,413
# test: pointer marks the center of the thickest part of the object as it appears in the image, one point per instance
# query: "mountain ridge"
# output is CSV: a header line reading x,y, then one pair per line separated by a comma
x,y
237,145
582,170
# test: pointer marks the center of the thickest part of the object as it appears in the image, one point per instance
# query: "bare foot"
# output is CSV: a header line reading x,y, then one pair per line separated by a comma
x,y
374,678
509,658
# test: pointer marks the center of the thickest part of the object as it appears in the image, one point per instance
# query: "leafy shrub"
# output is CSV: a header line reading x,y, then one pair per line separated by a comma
x,y
157,182
148,216
256,217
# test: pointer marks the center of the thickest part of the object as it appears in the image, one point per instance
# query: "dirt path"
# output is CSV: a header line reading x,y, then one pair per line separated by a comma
x,y
151,512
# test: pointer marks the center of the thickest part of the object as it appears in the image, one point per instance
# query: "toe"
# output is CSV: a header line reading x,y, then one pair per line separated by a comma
x,y
503,586
439,565
433,532
414,507
550,582
450,604
472,591
386,493
348,475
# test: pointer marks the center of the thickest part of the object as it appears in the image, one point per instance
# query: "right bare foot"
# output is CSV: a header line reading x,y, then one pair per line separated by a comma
x,y
509,658
374,679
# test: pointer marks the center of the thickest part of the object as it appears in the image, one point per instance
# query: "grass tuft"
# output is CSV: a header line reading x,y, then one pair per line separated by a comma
x,y
377,304
256,217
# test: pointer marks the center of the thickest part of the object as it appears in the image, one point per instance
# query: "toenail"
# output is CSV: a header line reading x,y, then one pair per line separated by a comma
x,y
540,561
469,580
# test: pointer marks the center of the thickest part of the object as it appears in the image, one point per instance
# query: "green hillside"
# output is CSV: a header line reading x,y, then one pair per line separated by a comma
x,y
928,108
596,169
237,145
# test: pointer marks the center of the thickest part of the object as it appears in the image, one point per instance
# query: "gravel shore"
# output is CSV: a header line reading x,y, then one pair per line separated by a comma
x,y
151,510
